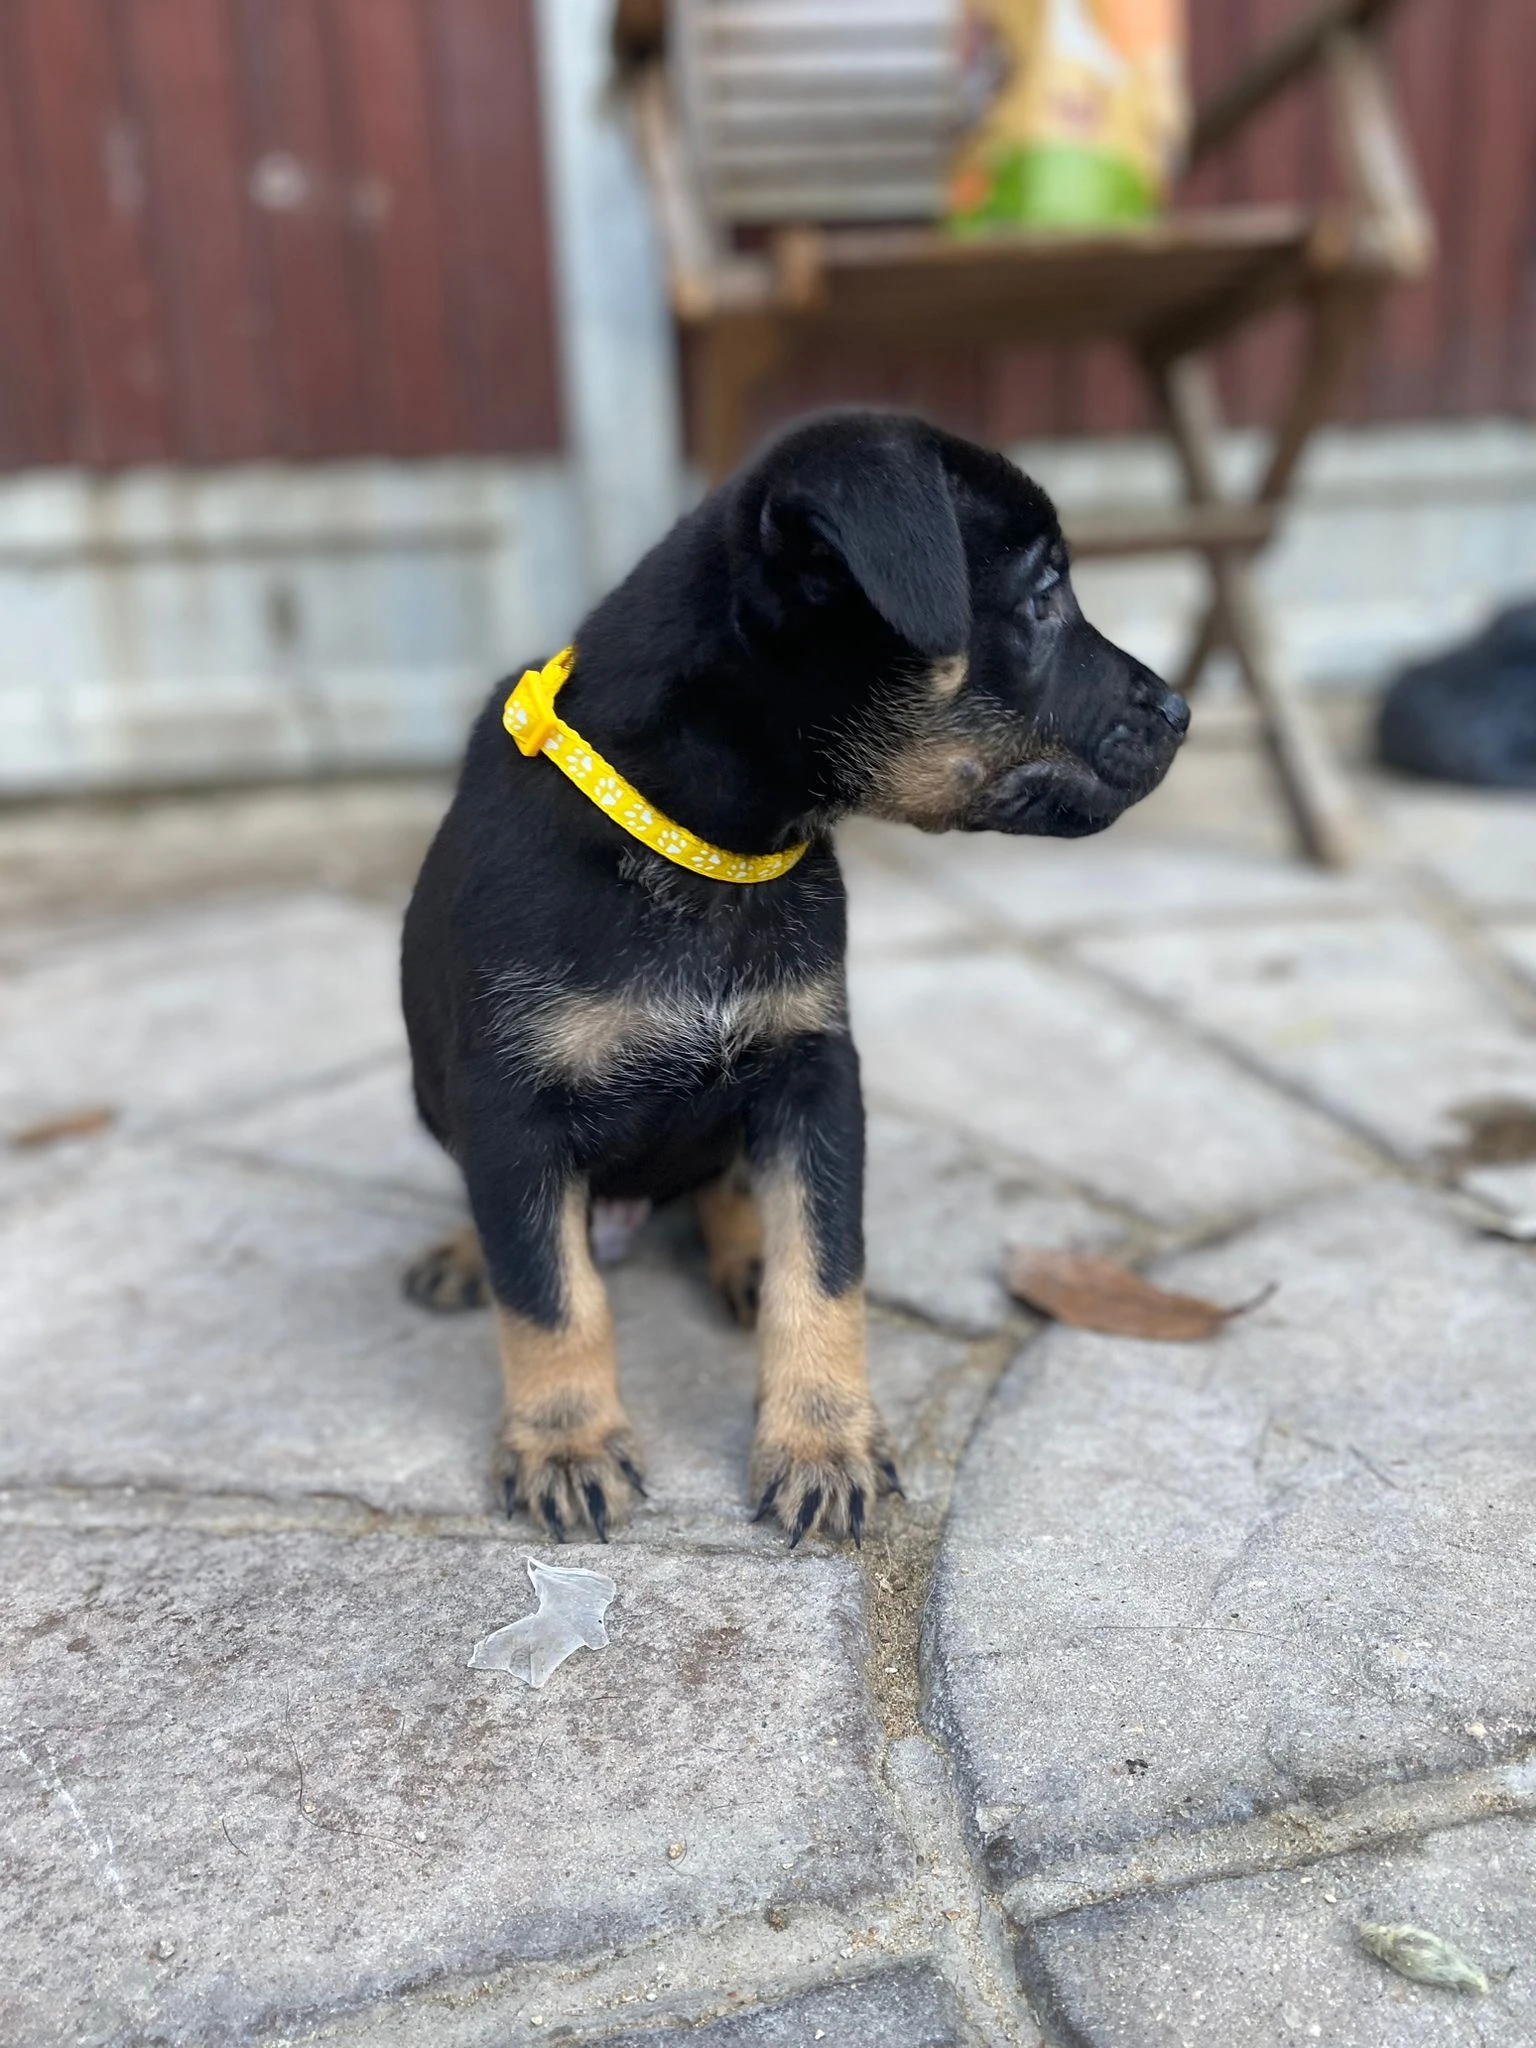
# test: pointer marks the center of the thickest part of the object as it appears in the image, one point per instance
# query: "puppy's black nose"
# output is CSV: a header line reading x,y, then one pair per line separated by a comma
x,y
1176,712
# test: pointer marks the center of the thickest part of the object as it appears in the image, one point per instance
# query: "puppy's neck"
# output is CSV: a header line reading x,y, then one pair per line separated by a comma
x,y
683,711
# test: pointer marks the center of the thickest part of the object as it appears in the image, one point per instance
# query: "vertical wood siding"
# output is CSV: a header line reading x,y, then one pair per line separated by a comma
x,y
233,229
271,228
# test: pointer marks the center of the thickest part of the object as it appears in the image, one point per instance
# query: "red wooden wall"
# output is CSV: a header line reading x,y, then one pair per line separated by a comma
x,y
308,228
285,228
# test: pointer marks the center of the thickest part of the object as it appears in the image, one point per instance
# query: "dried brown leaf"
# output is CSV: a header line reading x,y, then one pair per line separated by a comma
x,y
1096,1294
54,1130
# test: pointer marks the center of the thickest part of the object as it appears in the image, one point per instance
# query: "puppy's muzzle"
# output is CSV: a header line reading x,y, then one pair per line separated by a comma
x,y
1068,798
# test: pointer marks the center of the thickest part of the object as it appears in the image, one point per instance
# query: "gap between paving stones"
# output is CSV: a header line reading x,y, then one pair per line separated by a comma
x,y
1290,1839
1411,890
1463,931
945,1919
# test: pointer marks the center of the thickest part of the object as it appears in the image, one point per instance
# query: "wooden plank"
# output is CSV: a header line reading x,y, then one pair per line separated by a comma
x,y
1171,529
1392,230
1314,787
1266,162
295,180
395,224
1052,296
1427,46
93,200
1279,64
492,179
1021,393
1111,397
1496,237
34,393
181,61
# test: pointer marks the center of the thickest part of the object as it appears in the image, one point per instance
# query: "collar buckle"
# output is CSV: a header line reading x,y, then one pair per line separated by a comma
x,y
529,714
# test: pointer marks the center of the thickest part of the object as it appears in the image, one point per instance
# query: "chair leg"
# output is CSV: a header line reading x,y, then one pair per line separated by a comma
x,y
1315,790
1313,786
1210,637
735,353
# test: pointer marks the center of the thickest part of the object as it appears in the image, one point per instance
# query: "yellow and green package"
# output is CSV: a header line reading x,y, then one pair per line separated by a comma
x,y
1081,112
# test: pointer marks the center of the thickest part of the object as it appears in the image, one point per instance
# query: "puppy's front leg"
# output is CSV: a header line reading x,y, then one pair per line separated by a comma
x,y
821,1453
566,1451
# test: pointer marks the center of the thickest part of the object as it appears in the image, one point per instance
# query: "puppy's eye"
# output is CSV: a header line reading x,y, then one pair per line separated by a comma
x,y
1040,596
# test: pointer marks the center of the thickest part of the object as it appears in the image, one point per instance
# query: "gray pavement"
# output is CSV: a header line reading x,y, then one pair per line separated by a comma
x,y
1178,1661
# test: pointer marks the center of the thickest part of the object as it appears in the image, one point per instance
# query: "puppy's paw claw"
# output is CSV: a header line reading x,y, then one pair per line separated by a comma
x,y
568,1487
821,1481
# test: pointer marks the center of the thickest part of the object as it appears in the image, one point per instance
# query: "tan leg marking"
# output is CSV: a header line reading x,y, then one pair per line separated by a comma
x,y
821,1454
732,1230
567,1453
450,1276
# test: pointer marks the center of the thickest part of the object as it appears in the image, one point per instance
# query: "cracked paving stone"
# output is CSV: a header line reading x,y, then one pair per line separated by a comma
x,y
234,1329
1036,1063
1272,1960
251,1782
1185,1584
1375,1018
901,2008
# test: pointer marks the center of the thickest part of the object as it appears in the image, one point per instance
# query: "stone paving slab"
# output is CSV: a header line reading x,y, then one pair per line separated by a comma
x,y
195,1322
1517,943
1184,1584
361,1127
891,909
1273,1959
1375,1018
1480,845
252,1780
1039,887
71,863
902,2008
179,1013
1047,1067
939,1215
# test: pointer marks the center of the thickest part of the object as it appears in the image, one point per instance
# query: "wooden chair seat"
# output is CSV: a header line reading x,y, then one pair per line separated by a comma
x,y
1190,273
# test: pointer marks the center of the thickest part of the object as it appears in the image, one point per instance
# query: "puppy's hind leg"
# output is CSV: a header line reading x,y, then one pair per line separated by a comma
x,y
726,1213
449,1277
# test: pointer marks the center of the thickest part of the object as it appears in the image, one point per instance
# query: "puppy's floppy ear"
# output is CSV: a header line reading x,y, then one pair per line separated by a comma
x,y
884,509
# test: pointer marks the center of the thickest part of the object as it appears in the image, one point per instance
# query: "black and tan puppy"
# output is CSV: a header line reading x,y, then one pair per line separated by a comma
x,y
873,616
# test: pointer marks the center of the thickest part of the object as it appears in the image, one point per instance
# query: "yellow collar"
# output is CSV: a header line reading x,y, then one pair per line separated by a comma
x,y
530,718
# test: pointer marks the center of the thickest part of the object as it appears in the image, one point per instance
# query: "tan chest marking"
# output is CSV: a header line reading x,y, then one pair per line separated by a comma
x,y
577,1037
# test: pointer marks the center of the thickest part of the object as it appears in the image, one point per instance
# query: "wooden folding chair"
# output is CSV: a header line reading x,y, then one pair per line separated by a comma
x,y
753,291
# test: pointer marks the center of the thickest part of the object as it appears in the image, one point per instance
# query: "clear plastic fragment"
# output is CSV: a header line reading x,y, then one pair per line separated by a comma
x,y
570,1614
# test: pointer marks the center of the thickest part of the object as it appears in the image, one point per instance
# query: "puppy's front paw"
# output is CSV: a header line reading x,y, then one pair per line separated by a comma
x,y
819,1473
569,1477
449,1277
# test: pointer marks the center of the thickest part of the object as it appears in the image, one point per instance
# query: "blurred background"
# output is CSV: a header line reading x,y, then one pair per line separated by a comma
x,y
338,372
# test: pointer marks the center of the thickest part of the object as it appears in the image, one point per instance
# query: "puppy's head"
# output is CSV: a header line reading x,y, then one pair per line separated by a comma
x,y
909,594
